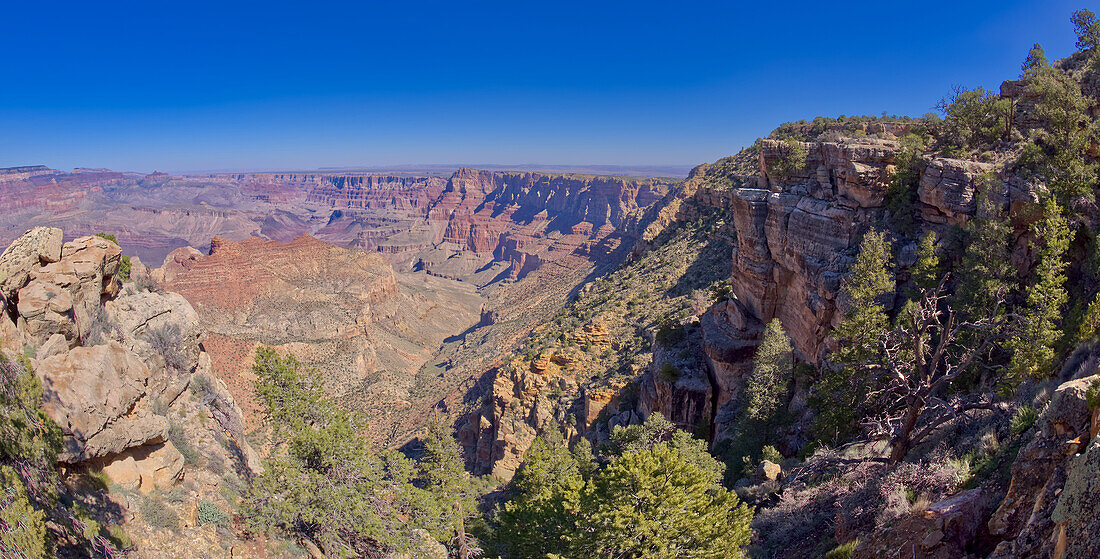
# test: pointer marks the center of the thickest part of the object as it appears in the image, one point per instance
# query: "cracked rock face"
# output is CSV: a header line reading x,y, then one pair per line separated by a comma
x,y
98,396
41,245
1050,503
158,328
64,297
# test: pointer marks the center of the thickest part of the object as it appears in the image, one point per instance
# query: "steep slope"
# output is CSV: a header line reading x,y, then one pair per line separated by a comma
x,y
342,311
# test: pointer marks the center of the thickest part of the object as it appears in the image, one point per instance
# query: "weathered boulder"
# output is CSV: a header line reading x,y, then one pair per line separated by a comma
x,y
64,297
56,345
164,331
1039,474
945,530
41,245
46,309
98,395
769,470
947,189
145,467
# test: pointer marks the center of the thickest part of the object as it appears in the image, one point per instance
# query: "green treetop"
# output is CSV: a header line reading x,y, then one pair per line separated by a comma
x,y
1033,349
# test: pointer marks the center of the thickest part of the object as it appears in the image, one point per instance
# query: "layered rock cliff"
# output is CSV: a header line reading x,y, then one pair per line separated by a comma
x,y
345,312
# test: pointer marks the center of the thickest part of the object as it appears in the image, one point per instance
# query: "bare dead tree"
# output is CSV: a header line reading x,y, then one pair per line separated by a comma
x,y
924,355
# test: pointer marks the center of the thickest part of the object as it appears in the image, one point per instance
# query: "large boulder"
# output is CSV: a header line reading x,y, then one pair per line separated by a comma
x,y
41,245
146,467
98,395
64,297
164,331
1024,519
948,190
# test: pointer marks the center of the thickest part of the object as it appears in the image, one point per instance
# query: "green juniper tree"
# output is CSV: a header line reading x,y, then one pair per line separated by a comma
x,y
29,444
657,503
1055,153
841,393
658,494
321,484
539,517
441,472
1087,27
925,273
771,370
973,120
1033,350
984,271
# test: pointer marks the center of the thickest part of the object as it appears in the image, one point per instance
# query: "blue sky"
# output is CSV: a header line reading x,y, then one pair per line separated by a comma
x,y
265,85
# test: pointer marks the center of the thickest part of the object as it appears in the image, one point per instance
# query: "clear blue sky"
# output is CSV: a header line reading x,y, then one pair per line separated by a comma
x,y
181,86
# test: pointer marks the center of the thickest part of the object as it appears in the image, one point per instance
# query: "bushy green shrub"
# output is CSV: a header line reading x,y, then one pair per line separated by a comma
x,y
771,454
843,551
669,373
209,513
1024,418
670,333
792,160
1092,395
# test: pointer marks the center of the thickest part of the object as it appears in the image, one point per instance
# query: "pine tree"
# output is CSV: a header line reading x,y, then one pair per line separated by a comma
x,y
1056,150
844,385
657,430
1035,61
1033,349
925,273
985,270
657,503
771,370
1087,27
540,516
443,475
321,484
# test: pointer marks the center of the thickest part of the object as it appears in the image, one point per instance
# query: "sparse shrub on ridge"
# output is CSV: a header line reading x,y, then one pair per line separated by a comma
x,y
167,340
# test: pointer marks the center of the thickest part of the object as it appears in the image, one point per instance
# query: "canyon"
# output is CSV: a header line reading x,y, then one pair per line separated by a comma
x,y
382,282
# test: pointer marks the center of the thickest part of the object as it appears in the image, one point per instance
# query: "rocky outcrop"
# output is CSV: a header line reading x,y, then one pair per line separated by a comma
x,y
114,363
947,189
98,396
41,245
146,467
163,330
1040,484
64,297
521,407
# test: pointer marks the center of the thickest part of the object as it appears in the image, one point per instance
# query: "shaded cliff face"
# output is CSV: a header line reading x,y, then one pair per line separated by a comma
x,y
529,219
345,312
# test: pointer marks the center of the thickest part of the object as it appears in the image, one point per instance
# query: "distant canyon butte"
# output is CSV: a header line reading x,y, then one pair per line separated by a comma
x,y
400,290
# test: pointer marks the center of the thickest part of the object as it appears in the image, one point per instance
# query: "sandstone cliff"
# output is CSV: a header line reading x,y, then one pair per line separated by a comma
x,y
126,377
